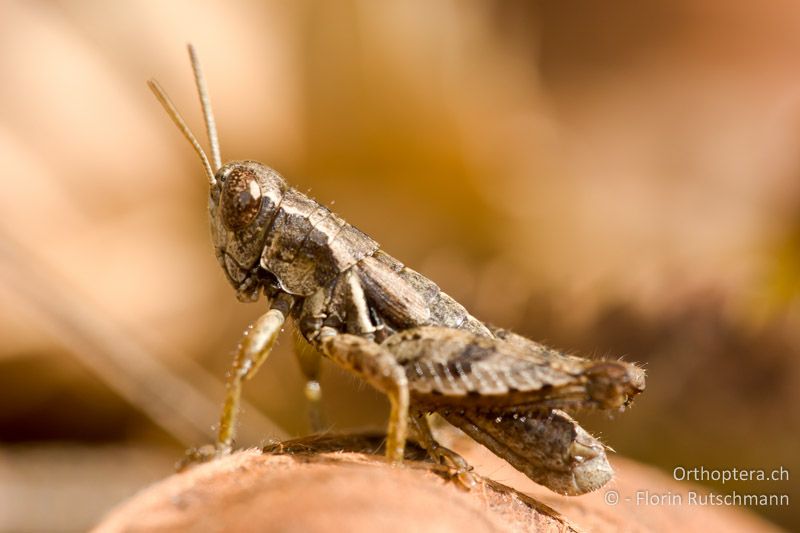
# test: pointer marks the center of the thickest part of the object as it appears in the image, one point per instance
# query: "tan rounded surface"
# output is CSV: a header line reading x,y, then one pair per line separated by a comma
x,y
355,492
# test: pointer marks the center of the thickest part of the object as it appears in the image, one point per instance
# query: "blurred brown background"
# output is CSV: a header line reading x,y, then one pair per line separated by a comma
x,y
616,180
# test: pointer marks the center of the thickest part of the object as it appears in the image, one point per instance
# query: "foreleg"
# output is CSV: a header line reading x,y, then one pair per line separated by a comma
x,y
309,359
253,350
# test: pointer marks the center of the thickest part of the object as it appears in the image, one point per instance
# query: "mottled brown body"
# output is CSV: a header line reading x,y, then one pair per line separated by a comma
x,y
500,388
396,329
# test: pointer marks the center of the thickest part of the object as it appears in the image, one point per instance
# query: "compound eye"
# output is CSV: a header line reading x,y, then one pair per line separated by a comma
x,y
241,198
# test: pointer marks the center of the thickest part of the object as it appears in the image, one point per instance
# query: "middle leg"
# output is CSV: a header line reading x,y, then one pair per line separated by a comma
x,y
380,369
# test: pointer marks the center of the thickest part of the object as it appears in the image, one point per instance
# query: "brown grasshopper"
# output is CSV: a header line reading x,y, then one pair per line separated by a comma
x,y
364,310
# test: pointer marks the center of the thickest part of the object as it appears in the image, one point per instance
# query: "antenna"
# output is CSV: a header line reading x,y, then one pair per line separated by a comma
x,y
205,103
176,117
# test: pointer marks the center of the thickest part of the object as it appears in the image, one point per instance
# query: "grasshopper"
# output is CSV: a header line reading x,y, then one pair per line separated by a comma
x,y
366,311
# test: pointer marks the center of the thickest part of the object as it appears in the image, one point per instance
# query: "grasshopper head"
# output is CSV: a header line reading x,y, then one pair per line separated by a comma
x,y
242,202
243,197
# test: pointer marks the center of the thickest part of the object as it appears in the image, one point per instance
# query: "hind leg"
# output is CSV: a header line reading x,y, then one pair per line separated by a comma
x,y
445,456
